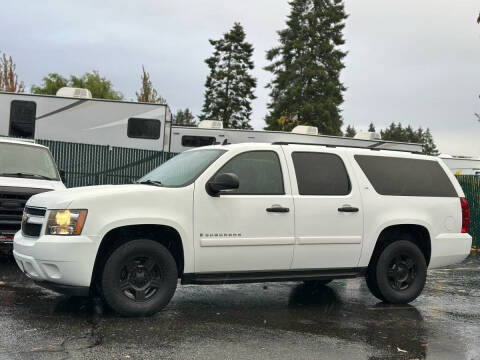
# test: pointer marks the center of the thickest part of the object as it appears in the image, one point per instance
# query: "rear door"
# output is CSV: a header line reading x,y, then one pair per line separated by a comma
x,y
328,208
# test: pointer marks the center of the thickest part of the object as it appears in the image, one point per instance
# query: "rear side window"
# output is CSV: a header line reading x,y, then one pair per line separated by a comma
x,y
406,177
320,174
143,128
22,119
259,173
198,141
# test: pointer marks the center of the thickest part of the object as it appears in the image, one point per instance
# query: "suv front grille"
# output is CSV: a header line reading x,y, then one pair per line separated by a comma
x,y
12,203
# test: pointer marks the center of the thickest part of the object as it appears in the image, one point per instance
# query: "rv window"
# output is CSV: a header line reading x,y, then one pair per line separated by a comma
x,y
22,119
320,174
406,176
143,128
198,141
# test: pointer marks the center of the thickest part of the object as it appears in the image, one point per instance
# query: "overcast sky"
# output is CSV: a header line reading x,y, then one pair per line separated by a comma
x,y
412,61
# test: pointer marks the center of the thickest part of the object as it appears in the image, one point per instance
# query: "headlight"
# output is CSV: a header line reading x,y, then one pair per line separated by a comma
x,y
66,222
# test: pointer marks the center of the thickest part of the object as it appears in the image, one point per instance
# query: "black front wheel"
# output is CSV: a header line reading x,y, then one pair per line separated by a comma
x,y
139,278
399,274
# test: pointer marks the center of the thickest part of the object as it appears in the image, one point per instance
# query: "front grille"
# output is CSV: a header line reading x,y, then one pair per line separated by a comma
x,y
12,203
32,221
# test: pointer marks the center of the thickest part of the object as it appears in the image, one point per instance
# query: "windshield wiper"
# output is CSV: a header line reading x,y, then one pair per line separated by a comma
x,y
150,182
23,174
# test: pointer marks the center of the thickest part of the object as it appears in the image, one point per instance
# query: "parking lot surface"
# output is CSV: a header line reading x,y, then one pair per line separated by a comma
x,y
253,321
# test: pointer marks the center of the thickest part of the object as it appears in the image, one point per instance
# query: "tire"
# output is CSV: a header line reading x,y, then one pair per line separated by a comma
x,y
139,278
317,283
398,275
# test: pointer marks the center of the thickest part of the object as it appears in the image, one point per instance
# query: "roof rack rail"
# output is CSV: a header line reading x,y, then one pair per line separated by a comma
x,y
373,147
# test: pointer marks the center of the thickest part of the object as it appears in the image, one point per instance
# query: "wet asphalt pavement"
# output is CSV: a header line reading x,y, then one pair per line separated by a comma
x,y
254,321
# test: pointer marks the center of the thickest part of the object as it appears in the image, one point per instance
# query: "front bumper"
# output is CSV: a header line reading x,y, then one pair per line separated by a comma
x,y
64,262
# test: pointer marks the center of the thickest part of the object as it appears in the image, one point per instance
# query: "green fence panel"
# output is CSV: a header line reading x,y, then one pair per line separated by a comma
x,y
86,165
471,187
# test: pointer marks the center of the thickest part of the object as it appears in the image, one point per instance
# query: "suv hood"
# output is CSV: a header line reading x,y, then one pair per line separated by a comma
x,y
83,195
7,181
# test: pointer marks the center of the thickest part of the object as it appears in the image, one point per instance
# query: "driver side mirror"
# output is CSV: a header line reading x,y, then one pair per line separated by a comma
x,y
226,181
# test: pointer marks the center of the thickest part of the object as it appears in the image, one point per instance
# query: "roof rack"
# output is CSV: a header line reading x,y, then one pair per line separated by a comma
x,y
374,147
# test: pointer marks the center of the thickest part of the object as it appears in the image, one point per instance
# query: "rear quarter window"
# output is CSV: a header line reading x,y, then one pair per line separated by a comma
x,y
406,177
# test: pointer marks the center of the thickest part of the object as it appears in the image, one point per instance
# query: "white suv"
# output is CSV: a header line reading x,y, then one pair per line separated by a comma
x,y
250,213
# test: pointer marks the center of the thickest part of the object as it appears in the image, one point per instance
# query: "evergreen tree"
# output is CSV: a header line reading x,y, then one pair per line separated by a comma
x,y
306,67
396,132
229,88
148,93
8,76
350,131
429,146
184,118
371,128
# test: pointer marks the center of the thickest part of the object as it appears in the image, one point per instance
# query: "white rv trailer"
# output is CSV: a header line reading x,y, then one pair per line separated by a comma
x,y
103,141
85,121
462,165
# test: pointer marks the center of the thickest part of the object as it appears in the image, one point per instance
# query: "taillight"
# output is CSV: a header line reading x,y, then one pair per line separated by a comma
x,y
465,215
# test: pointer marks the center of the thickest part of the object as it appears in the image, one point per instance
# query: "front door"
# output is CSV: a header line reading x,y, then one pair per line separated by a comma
x,y
251,228
328,209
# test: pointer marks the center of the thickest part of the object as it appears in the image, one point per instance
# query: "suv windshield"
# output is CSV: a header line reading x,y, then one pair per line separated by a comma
x,y
182,169
17,160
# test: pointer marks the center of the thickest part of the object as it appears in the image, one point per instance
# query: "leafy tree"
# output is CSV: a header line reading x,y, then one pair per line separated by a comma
x,y
147,92
184,118
100,87
229,88
306,67
396,132
8,76
371,128
350,131
50,84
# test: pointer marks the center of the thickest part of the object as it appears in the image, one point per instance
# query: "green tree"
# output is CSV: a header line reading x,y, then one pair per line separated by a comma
x,y
371,128
99,86
306,67
396,132
350,131
229,88
50,84
184,118
8,76
147,92
429,146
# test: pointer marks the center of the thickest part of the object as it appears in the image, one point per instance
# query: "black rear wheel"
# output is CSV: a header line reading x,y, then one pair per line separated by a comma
x,y
398,275
139,278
